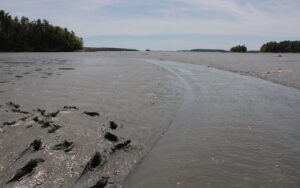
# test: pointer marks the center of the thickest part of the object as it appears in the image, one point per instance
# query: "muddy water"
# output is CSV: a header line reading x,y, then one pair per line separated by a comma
x,y
230,131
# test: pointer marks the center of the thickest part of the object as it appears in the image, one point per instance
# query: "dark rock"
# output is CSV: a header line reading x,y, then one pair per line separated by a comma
x,y
29,126
9,123
44,124
27,169
54,128
42,111
36,119
65,146
121,145
24,118
14,105
53,114
70,108
101,183
19,111
92,113
94,162
113,125
36,145
111,137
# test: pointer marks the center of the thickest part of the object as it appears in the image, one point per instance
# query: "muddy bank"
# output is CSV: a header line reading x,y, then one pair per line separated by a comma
x,y
79,121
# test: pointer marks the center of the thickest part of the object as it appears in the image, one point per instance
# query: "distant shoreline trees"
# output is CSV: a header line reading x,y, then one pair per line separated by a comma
x,y
25,35
284,46
239,48
94,49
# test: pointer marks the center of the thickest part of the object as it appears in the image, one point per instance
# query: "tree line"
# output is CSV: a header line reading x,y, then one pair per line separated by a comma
x,y
279,47
95,49
284,46
25,35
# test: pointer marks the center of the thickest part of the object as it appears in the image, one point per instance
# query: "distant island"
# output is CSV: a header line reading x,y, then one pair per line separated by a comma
x,y
35,36
203,50
94,49
239,48
207,50
284,46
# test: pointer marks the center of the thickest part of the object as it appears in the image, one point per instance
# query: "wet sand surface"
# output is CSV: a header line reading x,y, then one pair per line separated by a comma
x,y
116,107
279,68
244,134
90,119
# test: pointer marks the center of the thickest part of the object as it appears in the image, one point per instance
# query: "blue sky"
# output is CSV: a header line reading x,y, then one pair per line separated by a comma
x,y
168,24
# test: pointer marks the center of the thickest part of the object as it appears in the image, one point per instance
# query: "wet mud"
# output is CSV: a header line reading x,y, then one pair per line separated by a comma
x,y
101,183
65,146
27,169
33,147
78,105
39,119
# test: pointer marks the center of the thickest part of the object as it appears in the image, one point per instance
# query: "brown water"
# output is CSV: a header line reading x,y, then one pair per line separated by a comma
x,y
231,131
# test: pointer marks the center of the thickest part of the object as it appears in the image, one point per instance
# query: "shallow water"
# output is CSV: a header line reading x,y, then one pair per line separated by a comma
x,y
230,131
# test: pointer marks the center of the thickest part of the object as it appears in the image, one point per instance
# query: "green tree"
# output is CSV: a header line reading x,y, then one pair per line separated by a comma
x,y
283,46
25,35
239,48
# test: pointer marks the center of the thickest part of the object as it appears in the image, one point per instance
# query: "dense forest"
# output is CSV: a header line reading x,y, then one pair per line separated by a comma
x,y
94,49
284,46
25,35
239,48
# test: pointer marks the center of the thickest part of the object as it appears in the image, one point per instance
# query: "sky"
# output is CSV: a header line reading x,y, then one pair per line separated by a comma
x,y
168,24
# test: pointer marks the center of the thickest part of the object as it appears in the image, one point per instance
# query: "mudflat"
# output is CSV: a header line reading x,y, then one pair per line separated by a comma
x,y
78,106
282,68
89,119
